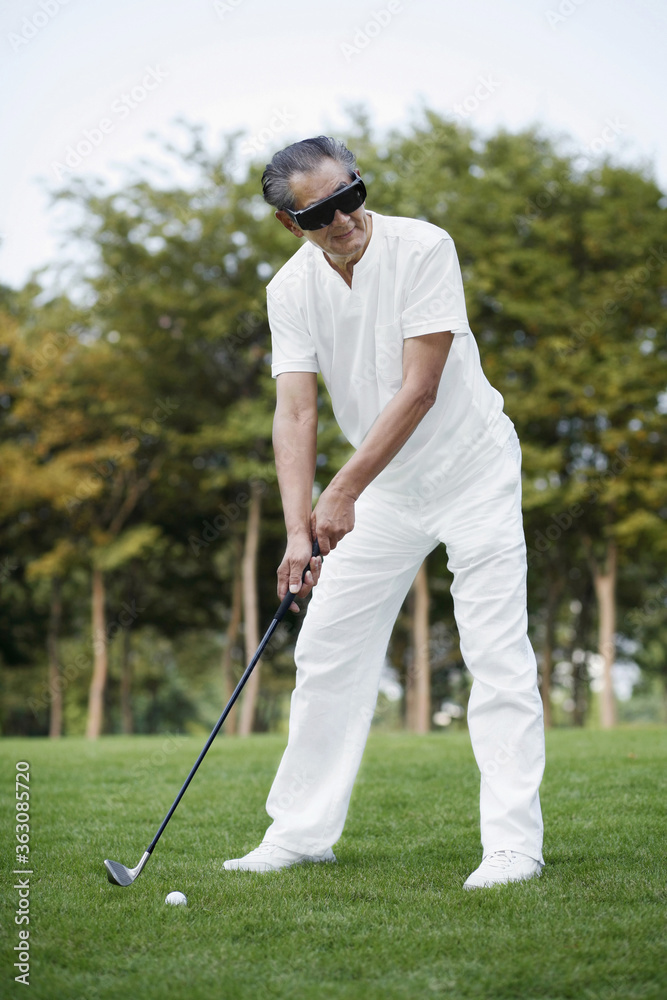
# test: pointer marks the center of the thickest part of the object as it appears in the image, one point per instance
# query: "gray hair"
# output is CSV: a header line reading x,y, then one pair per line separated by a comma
x,y
301,157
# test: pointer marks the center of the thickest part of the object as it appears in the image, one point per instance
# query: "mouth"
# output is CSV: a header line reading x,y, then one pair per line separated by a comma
x,y
344,236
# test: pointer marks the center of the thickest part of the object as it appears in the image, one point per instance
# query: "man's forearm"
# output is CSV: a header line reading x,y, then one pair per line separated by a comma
x,y
423,361
391,430
295,447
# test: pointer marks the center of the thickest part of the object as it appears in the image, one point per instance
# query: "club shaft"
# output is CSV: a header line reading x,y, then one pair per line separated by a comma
x,y
237,691
278,617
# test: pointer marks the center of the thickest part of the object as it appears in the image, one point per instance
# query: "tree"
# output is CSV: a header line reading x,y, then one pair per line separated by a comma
x,y
136,410
418,683
250,609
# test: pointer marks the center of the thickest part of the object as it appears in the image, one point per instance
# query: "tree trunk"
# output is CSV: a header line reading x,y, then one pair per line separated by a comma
x,y
127,721
580,677
418,686
410,698
605,590
55,679
545,686
228,684
553,598
100,660
250,610
409,660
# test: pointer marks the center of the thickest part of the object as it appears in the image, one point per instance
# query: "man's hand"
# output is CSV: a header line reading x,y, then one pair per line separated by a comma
x,y
299,553
333,517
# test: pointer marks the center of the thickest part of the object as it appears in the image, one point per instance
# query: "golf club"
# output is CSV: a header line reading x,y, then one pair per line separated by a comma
x,y
120,875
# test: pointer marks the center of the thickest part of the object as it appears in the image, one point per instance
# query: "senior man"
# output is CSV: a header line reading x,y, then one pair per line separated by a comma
x,y
376,305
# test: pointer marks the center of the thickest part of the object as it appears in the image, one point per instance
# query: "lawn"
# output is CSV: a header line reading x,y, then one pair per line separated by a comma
x,y
389,921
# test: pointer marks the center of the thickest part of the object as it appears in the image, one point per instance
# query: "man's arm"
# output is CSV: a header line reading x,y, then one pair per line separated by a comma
x,y
423,363
295,447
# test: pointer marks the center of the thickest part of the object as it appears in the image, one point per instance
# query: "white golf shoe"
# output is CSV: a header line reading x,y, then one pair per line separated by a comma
x,y
271,858
501,867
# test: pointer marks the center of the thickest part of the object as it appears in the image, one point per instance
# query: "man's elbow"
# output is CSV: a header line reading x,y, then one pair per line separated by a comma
x,y
294,420
424,395
303,416
429,397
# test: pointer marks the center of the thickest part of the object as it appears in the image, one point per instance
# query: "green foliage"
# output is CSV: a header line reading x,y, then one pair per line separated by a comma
x,y
129,545
136,407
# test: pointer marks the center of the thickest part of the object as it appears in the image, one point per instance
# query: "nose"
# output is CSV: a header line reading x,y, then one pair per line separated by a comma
x,y
340,218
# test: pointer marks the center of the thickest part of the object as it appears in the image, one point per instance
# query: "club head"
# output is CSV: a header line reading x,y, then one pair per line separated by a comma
x,y
120,875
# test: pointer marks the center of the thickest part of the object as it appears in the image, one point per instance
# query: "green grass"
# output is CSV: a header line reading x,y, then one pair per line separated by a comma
x,y
389,921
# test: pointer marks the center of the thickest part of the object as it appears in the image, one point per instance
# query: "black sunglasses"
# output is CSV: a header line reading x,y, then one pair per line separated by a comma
x,y
321,214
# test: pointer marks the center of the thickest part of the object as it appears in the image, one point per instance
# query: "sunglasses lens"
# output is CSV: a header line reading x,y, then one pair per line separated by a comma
x,y
321,216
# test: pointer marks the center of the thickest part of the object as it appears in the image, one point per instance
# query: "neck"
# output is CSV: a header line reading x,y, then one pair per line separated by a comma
x,y
345,265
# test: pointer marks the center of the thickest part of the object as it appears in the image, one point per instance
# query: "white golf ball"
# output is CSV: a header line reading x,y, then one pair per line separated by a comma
x,y
176,899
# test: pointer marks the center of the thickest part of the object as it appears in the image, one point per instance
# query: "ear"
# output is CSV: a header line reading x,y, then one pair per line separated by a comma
x,y
286,220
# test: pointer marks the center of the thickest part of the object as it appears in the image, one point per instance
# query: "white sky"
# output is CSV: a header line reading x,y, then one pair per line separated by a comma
x,y
284,71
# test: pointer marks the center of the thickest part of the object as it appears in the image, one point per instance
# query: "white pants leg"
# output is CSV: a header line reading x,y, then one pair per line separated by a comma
x,y
339,655
483,531
343,641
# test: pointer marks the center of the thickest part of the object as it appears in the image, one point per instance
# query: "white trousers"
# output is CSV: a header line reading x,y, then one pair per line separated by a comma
x,y
343,641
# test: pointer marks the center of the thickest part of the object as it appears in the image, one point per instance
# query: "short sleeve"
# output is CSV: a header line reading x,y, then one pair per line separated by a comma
x,y
292,348
435,299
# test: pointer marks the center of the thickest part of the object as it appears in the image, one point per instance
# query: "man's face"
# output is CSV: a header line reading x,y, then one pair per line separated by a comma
x,y
347,235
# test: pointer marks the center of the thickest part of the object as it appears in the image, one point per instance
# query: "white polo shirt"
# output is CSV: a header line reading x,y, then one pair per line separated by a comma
x,y
407,284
